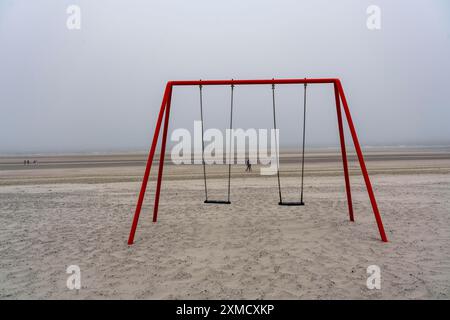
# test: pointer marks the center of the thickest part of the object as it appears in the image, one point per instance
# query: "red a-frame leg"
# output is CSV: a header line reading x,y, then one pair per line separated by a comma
x,y
361,162
161,156
344,153
149,165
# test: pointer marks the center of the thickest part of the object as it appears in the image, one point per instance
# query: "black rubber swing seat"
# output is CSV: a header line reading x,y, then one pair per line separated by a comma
x,y
284,203
218,201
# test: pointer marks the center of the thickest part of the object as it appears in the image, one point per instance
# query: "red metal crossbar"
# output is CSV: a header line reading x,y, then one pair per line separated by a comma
x,y
339,96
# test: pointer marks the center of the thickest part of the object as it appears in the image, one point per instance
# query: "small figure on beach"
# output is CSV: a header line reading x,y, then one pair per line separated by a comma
x,y
249,166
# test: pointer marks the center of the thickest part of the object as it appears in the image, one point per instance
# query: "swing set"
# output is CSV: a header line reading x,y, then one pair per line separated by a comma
x,y
165,112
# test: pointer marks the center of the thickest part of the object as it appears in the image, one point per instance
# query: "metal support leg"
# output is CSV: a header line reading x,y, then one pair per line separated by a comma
x,y
344,153
161,156
148,167
362,164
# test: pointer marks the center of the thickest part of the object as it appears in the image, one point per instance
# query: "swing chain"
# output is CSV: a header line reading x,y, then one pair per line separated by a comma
x,y
276,144
303,142
203,141
231,128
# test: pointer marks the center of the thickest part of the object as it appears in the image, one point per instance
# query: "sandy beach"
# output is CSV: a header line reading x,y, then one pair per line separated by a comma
x,y
77,210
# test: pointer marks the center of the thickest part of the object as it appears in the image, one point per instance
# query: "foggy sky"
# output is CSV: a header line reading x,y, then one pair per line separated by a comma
x,y
99,88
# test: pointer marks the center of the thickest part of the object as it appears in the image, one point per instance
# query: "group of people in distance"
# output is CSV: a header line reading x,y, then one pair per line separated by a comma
x,y
27,162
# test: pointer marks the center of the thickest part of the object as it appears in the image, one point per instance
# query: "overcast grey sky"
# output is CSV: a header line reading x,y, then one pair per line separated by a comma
x,y
99,88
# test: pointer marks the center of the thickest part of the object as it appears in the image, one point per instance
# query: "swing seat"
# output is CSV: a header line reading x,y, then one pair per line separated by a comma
x,y
284,203
218,201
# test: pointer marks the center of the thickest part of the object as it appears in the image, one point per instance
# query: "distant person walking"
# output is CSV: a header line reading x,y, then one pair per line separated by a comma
x,y
249,166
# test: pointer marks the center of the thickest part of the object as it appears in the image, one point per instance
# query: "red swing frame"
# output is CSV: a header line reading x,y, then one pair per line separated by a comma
x,y
339,96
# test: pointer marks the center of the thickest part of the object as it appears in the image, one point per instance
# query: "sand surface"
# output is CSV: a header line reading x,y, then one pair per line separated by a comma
x,y
77,210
